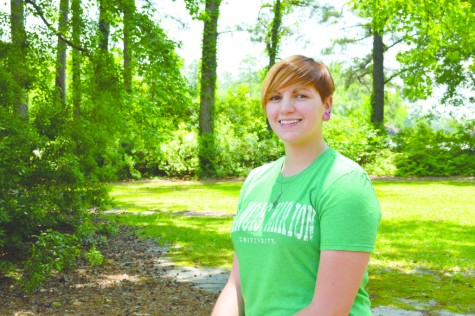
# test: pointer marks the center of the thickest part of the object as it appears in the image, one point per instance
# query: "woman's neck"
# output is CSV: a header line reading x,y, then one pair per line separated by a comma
x,y
298,158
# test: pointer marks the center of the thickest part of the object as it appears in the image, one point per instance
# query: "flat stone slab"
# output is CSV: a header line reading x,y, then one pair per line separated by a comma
x,y
211,279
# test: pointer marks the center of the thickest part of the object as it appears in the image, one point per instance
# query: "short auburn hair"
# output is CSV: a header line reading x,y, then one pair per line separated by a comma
x,y
298,70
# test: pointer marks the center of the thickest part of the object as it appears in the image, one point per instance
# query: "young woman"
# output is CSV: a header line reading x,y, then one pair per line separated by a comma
x,y
307,222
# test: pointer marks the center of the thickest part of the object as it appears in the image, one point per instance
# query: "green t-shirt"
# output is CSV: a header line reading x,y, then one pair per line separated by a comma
x,y
331,205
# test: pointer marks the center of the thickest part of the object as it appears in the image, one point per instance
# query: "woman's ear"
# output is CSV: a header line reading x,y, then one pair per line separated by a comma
x,y
327,108
329,103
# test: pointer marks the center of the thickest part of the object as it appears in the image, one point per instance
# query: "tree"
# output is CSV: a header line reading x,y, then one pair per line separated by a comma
x,y
76,56
18,53
274,34
378,16
208,86
52,164
104,25
128,11
271,29
377,96
61,51
438,51
442,48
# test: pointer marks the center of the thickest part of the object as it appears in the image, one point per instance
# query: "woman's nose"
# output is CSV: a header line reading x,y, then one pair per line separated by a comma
x,y
287,105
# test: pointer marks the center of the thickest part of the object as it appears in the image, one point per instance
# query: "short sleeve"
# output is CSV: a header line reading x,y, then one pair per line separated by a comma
x,y
349,214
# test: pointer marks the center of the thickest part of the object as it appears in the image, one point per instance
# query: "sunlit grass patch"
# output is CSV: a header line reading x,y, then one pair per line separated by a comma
x,y
176,196
429,225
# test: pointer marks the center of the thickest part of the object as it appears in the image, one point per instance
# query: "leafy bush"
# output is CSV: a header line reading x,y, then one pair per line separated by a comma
x,y
428,152
51,251
45,201
243,140
354,137
179,155
94,257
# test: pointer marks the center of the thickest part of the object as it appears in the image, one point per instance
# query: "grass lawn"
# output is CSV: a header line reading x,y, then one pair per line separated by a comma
x,y
425,252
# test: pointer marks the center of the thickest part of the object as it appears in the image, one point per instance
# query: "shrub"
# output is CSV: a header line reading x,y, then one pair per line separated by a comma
x,y
45,200
425,151
354,137
51,251
94,257
243,140
179,155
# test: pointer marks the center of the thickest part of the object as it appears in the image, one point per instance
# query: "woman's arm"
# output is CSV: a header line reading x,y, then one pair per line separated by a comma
x,y
230,301
339,276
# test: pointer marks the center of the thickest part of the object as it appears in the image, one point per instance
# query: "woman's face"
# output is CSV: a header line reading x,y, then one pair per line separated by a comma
x,y
296,113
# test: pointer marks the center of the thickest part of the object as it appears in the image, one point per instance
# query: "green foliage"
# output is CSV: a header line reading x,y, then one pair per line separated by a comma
x,y
179,154
45,196
354,137
53,161
16,146
55,251
94,257
428,152
243,140
7,268
438,39
52,251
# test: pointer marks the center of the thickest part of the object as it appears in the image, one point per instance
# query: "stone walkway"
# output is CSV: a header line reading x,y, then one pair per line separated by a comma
x,y
210,279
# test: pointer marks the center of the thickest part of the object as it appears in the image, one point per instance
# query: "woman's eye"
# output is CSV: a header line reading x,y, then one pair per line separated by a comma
x,y
274,98
301,96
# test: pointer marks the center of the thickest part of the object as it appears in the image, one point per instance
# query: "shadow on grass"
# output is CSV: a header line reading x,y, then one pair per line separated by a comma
x,y
391,287
201,241
427,244
425,263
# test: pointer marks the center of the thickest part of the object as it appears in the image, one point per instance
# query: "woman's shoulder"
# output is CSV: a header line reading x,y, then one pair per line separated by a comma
x,y
266,168
347,165
340,167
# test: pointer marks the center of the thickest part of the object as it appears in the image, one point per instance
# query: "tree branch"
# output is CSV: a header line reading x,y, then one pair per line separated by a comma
x,y
55,32
396,74
393,44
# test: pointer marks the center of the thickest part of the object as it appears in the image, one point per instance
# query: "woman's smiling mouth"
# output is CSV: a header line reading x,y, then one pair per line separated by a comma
x,y
288,122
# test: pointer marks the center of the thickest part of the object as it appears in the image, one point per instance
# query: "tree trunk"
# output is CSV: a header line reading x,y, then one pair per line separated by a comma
x,y
76,56
104,26
272,44
208,87
104,60
377,97
18,58
61,51
129,10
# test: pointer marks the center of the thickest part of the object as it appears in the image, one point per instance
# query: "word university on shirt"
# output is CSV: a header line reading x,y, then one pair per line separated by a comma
x,y
290,219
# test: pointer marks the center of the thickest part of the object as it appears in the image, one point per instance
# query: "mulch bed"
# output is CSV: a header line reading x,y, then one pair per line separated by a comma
x,y
128,283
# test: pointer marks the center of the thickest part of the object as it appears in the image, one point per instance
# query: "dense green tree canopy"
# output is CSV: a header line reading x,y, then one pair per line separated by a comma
x,y
439,42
